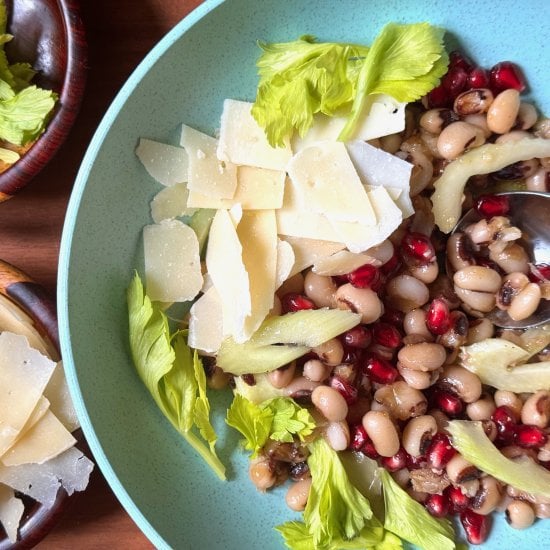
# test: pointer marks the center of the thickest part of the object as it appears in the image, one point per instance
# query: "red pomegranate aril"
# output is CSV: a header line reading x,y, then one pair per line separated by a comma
x,y
392,265
396,462
418,247
358,437
416,462
492,205
368,449
387,335
458,59
437,505
505,420
296,302
478,77
505,75
379,370
440,451
455,81
475,526
358,337
392,316
345,389
352,356
529,437
457,499
449,403
438,97
438,317
540,273
366,276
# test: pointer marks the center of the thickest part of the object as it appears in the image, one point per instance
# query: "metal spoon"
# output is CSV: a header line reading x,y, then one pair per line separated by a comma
x,y
530,212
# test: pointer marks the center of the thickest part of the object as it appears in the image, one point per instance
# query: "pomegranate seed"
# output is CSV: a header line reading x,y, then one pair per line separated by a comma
x,y
505,420
492,205
396,462
358,337
540,273
505,75
458,59
368,449
418,248
296,302
392,265
386,335
366,276
455,81
438,97
529,436
457,499
345,389
352,356
486,262
392,316
358,437
440,451
478,77
379,370
475,526
438,317
415,462
437,505
449,403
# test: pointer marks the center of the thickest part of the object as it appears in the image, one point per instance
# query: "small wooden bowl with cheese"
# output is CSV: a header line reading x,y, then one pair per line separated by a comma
x,y
39,431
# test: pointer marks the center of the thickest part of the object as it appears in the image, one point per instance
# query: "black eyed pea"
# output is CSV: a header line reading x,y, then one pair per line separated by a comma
x,y
477,301
482,408
261,473
479,330
479,120
525,303
425,356
382,252
417,379
520,514
427,273
474,101
360,300
406,292
539,181
320,289
527,116
441,419
512,258
297,495
478,278
418,434
460,471
459,251
330,352
382,431
457,138
512,285
488,496
292,284
434,120
505,398
330,403
462,382
514,136
414,322
281,377
401,400
503,111
542,510
337,435
536,409
316,370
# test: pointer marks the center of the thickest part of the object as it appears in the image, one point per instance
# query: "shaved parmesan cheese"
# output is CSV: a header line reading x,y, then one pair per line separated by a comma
x,y
378,168
70,470
358,237
207,174
285,262
172,262
24,373
165,163
243,142
224,262
11,511
57,393
171,203
385,116
342,262
327,182
257,233
38,412
206,322
43,441
309,251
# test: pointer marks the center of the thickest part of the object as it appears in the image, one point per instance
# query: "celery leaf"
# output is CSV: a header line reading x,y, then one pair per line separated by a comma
x,y
289,420
408,519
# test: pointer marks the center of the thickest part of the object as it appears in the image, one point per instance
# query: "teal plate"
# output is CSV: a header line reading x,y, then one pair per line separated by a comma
x,y
171,494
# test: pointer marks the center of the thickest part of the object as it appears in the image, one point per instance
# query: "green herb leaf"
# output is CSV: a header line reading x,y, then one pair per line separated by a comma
x,y
171,372
405,62
409,520
335,509
289,420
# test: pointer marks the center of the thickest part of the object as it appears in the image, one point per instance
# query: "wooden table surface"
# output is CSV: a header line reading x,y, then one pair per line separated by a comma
x,y
119,34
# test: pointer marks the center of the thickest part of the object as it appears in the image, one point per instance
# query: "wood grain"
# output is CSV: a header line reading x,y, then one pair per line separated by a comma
x,y
119,34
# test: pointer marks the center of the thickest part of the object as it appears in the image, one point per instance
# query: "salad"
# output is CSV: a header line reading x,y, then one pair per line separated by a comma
x,y
310,243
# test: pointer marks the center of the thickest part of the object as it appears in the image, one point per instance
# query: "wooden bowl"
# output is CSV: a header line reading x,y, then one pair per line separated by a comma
x,y
48,34
33,300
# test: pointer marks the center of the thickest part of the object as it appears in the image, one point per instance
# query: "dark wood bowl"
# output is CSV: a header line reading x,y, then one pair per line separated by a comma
x,y
48,34
33,300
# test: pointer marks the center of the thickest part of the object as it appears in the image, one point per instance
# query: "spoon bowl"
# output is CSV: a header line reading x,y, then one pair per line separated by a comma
x,y
530,212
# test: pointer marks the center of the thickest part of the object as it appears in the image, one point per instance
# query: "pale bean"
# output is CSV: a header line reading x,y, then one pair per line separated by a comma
x,y
297,494
478,278
391,143
406,292
382,431
505,398
360,300
458,251
479,301
330,352
536,409
472,102
481,409
488,496
401,400
479,330
425,356
462,382
338,436
525,303
457,138
418,379
293,284
520,514
316,370
527,116
512,258
382,252
281,377
434,120
539,181
514,136
480,121
320,289
261,473
427,273
503,112
330,403
459,470
414,322
418,434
